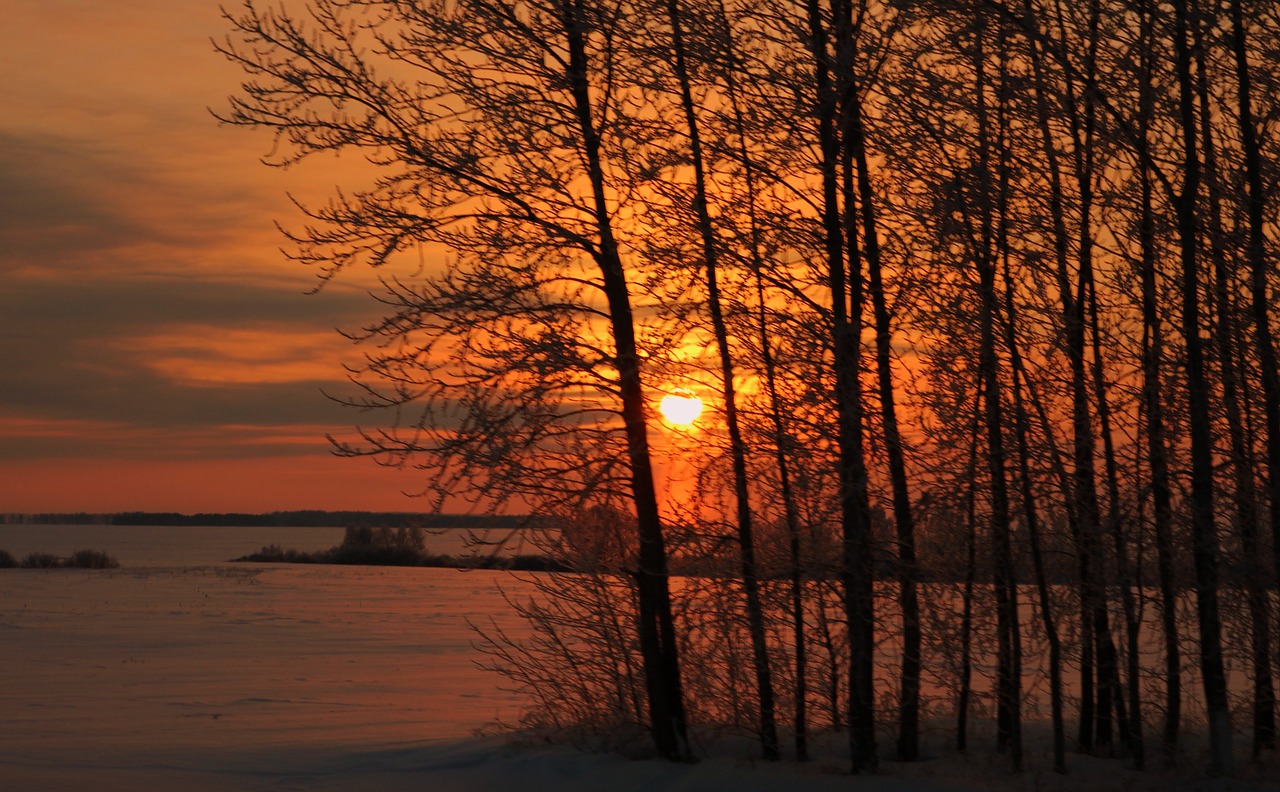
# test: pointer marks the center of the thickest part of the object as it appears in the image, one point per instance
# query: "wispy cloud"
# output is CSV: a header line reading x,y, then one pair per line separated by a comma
x,y
212,355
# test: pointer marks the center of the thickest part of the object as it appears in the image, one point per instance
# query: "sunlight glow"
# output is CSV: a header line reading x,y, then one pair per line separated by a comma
x,y
680,407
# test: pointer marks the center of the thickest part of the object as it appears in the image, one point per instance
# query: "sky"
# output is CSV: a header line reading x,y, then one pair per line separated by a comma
x,y
157,350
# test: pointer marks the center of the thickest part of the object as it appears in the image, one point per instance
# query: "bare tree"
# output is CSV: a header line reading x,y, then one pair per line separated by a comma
x,y
494,131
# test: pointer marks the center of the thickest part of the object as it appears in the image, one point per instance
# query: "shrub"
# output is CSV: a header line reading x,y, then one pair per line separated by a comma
x,y
373,555
82,559
405,539
41,561
92,559
7,561
358,536
537,563
402,546
274,554
384,546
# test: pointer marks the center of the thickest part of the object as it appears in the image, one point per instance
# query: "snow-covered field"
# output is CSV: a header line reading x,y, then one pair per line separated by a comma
x,y
248,677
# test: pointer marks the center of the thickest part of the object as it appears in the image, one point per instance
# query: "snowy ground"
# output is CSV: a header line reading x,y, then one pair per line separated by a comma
x,y
254,677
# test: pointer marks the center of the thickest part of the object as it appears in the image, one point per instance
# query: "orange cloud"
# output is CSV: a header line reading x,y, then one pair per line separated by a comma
x,y
196,355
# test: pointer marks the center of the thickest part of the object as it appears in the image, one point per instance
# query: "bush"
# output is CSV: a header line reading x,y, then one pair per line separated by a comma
x,y
405,539
274,554
7,561
383,546
82,559
363,545
537,563
92,559
41,561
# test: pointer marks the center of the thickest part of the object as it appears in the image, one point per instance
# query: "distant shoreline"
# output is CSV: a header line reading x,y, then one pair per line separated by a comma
x,y
302,518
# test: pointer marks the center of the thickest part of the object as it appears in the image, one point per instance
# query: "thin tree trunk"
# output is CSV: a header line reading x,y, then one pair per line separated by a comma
x,y
1153,400
908,597
1246,502
1082,484
970,574
1008,672
1021,427
1255,206
846,303
1111,676
658,646
1204,531
787,493
737,449
829,643
1085,495
1021,431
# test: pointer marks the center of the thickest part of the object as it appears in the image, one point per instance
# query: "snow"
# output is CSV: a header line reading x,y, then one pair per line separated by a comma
x,y
254,677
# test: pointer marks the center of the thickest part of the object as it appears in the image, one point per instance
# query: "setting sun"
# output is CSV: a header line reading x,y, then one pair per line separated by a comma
x,y
680,407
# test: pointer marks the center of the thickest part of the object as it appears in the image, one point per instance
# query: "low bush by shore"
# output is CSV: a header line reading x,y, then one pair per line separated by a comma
x,y
81,559
403,546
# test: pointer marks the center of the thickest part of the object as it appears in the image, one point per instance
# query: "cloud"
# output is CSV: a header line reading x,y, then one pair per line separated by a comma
x,y
72,205
32,438
168,352
50,208
203,356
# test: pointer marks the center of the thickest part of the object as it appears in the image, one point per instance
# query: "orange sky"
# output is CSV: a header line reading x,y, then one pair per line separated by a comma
x,y
157,352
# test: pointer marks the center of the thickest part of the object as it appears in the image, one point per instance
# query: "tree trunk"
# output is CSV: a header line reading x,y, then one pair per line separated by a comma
x,y
970,575
908,597
750,581
1255,206
1153,400
1083,491
845,289
1021,427
1246,502
1008,672
1204,531
790,510
658,646
1130,731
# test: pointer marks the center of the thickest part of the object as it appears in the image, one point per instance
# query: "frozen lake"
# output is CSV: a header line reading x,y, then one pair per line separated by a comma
x,y
182,671
179,671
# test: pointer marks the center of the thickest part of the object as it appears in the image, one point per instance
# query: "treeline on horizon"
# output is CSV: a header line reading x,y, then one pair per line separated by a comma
x,y
984,288
308,518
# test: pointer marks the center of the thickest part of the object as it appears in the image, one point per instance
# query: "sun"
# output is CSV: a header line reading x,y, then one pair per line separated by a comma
x,y
680,407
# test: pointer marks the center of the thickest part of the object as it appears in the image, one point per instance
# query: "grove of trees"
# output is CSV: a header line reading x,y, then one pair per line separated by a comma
x,y
980,293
